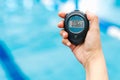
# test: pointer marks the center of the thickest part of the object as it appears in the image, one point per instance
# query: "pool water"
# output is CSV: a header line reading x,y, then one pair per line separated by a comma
x,y
32,44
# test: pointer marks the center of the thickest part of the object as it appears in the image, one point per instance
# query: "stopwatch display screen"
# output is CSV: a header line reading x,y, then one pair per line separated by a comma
x,y
76,24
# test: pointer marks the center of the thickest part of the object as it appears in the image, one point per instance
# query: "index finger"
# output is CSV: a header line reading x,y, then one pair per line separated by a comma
x,y
62,14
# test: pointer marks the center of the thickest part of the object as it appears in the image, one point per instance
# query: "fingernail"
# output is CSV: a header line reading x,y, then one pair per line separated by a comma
x,y
59,23
64,34
68,44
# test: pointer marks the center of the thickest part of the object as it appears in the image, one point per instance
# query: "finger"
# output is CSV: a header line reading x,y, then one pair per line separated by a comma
x,y
68,43
61,24
62,14
64,34
91,16
94,22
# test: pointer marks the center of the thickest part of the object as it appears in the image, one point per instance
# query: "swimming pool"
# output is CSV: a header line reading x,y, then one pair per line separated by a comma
x,y
33,42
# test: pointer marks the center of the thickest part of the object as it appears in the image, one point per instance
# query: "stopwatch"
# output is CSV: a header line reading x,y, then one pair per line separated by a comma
x,y
77,25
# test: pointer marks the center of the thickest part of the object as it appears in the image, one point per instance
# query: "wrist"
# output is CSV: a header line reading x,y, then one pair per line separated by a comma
x,y
93,57
96,66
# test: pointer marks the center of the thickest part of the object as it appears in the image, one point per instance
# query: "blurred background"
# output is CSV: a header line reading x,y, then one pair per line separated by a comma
x,y
30,44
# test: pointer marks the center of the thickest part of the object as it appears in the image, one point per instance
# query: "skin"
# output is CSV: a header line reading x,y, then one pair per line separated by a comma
x,y
89,54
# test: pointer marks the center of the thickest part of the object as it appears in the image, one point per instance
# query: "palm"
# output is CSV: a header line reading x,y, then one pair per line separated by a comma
x,y
92,40
81,51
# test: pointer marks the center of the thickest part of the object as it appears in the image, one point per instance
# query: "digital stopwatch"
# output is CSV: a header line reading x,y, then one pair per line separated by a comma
x,y
77,25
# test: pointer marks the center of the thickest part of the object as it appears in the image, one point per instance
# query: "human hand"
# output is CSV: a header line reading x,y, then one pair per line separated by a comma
x,y
92,44
90,52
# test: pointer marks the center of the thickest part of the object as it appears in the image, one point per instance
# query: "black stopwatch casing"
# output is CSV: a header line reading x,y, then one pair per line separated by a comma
x,y
74,36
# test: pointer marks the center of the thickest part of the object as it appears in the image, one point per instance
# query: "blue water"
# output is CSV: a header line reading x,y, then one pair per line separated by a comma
x,y
34,44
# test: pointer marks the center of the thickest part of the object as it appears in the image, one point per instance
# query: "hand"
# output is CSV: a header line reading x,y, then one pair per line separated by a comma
x,y
90,52
91,45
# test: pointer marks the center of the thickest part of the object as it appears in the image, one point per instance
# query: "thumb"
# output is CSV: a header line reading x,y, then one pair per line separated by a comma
x,y
94,22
